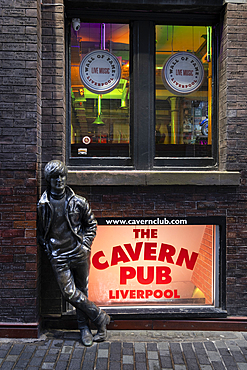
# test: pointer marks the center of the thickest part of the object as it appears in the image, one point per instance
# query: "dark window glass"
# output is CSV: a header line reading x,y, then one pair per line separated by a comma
x,y
100,122
183,121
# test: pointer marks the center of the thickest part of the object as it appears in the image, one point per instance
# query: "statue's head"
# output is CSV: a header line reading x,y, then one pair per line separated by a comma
x,y
56,176
55,168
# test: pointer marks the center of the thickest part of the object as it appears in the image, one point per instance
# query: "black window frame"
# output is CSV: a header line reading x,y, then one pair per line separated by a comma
x,y
142,95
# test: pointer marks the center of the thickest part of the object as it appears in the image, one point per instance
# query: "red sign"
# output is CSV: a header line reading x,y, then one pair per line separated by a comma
x,y
163,264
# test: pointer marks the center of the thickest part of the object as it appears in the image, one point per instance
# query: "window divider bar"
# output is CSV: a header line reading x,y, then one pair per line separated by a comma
x,y
143,88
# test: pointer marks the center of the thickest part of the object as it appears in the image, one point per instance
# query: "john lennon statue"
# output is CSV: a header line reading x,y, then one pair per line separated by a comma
x,y
66,230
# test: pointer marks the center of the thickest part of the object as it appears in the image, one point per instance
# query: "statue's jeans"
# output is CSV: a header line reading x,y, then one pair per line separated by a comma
x,y
72,277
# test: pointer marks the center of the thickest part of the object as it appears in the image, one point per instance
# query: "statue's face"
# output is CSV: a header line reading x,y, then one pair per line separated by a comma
x,y
58,183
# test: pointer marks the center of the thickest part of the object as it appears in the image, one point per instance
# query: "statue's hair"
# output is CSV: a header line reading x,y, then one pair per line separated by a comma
x,y
55,167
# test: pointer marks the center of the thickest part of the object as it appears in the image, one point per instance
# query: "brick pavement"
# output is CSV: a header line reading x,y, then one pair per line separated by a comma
x,y
128,350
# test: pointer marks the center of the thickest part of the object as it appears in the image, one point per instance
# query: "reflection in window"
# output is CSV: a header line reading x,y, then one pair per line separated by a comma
x,y
183,119
100,123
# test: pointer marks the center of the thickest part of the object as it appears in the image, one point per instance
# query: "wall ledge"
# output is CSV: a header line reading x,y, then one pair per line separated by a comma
x,y
19,330
148,178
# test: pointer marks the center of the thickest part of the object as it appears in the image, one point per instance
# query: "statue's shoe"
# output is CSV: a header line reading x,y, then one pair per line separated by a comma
x,y
86,337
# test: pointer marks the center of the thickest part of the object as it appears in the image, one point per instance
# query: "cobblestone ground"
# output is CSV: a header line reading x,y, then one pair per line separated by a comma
x,y
128,350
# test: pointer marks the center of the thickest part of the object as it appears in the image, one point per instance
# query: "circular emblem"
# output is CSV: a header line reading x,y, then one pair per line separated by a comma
x,y
86,140
100,71
183,73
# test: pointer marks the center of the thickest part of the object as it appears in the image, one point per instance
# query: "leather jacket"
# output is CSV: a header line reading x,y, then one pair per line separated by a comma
x,y
78,214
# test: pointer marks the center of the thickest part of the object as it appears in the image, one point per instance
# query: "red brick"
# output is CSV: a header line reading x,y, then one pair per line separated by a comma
x,y
6,191
6,258
31,250
12,233
31,215
30,233
31,266
25,224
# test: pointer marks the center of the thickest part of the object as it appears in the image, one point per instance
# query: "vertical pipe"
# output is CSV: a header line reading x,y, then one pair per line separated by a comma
x,y
210,103
99,105
174,119
209,60
102,33
181,123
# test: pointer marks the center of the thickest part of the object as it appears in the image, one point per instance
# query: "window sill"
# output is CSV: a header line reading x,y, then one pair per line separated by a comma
x,y
146,178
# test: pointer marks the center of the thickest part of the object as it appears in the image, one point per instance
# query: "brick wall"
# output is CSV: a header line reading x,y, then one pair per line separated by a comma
x,y
202,275
32,111
53,122
19,152
186,201
233,88
53,81
182,201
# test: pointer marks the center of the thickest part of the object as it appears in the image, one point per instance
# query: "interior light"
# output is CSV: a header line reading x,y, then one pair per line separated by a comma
x,y
98,121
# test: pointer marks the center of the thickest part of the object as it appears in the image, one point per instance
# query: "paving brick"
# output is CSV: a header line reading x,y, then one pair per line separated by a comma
x,y
229,362
89,359
36,361
61,365
176,353
128,367
175,347
213,356
192,364
102,364
3,352
51,358
7,365
127,350
163,346
114,365
103,353
127,359
104,345
218,365
141,366
116,347
166,362
180,367
152,346
140,357
178,359
152,355
153,364
242,366
203,359
16,349
210,346
40,352
140,348
115,352
75,364
12,358
238,357
47,365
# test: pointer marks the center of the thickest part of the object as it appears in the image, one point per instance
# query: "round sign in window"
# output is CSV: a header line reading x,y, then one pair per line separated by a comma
x,y
100,71
183,73
86,140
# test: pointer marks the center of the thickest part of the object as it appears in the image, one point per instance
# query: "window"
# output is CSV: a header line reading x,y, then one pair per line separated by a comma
x,y
100,122
183,120
137,266
147,121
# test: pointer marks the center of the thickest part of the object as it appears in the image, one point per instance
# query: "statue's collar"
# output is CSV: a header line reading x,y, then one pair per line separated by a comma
x,y
45,196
